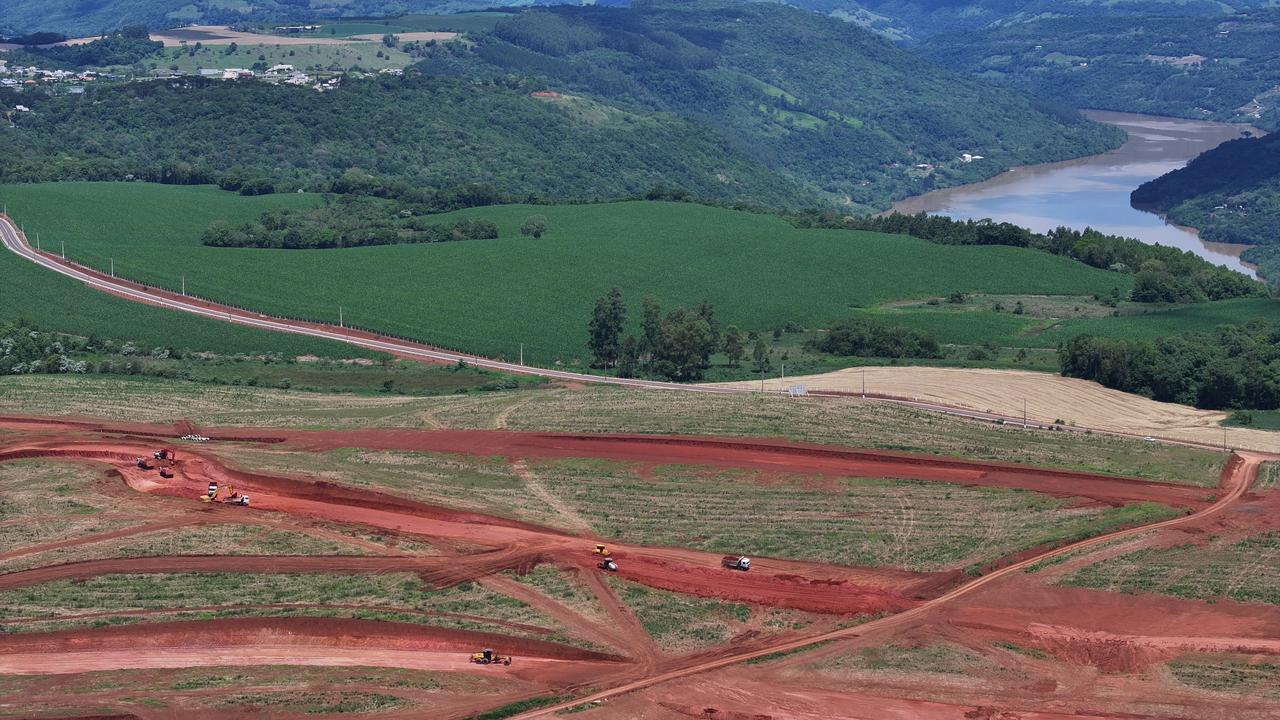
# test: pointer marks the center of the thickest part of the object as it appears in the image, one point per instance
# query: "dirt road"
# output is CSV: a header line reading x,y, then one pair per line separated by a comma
x,y
1116,422
1235,481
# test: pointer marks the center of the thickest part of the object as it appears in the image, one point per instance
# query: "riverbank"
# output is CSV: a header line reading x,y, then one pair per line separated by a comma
x,y
1093,191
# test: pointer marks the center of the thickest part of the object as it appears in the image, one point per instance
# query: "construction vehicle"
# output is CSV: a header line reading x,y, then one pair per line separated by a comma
x,y
601,550
242,501
166,473
165,454
489,657
143,464
736,562
609,564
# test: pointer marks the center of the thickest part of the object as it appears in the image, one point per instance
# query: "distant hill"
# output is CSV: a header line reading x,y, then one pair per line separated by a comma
x,y
1232,194
1226,68
385,136
825,103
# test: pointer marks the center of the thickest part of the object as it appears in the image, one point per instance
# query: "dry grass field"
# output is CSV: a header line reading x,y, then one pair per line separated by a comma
x,y
1049,398
850,422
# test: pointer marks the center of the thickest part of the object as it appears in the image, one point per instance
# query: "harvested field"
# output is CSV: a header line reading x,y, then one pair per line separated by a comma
x,y
836,421
1048,397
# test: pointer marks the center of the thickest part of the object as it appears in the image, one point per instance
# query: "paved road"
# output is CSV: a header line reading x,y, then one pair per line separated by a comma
x,y
16,242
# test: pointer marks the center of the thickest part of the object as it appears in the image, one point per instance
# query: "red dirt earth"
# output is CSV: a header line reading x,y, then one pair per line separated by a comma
x,y
1076,629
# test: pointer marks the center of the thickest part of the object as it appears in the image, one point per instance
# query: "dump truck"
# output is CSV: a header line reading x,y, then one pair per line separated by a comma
x,y
736,562
165,454
489,657
166,473
143,464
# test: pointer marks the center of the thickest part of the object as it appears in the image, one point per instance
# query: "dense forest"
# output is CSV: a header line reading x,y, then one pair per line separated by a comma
x,y
1220,68
1161,274
123,47
823,102
411,133
1231,193
1234,367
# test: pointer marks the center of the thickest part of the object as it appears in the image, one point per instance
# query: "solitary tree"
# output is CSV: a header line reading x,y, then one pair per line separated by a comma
x,y
534,225
605,327
734,346
761,355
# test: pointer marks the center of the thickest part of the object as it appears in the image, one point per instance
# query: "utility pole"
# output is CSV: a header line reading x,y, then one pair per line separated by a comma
x,y
340,317
864,383
113,267
1224,438
64,249
784,376
522,353
37,242
762,378
1024,413
184,285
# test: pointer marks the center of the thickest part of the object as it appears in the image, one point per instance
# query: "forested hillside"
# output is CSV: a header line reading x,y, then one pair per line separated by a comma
x,y
1223,68
1231,193
826,103
377,137
88,17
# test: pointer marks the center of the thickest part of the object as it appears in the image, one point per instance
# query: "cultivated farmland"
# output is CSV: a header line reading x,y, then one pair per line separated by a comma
x,y
482,296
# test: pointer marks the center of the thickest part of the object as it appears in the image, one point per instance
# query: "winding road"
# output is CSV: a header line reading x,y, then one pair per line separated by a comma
x,y
15,241
1236,479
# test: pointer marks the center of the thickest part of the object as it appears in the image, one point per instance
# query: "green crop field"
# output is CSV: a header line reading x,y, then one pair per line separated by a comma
x,y
64,305
492,296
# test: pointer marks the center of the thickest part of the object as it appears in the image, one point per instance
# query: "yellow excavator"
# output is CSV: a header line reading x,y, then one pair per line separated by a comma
x,y
233,497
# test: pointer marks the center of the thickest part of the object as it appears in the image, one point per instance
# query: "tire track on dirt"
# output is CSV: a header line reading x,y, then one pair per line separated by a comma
x,y
572,520
1241,470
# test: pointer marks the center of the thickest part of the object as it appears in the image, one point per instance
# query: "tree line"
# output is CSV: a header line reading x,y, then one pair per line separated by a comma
x,y
863,337
1235,366
676,344
345,222
1161,274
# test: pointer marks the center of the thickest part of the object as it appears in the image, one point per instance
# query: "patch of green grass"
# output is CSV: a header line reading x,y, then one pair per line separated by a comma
x,y
921,526
316,702
682,622
1268,476
1235,675
519,706
387,596
1151,323
943,658
366,56
1254,419
758,270
1246,571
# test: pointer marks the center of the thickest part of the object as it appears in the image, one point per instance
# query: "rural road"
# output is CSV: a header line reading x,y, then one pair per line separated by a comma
x,y
16,241
1240,473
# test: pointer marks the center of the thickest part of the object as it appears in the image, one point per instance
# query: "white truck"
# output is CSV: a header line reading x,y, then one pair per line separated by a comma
x,y
736,562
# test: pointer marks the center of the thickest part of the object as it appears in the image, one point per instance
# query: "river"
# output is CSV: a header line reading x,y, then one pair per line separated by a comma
x,y
1094,191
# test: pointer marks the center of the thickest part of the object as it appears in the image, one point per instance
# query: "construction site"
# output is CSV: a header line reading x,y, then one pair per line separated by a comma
x,y
445,571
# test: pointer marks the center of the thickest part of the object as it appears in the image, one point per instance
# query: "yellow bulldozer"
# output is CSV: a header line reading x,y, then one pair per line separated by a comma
x,y
489,657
